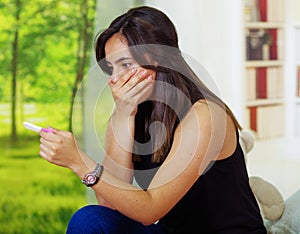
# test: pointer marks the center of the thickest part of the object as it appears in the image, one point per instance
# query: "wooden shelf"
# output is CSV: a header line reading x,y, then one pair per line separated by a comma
x,y
264,25
265,102
264,63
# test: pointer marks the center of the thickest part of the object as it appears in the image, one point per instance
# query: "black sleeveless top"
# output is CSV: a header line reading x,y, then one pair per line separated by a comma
x,y
220,201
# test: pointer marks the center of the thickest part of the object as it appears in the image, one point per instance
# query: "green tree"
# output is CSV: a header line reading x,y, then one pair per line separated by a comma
x,y
25,32
48,44
85,34
14,69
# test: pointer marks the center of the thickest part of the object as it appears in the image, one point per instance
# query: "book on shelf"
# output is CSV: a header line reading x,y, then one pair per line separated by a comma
x,y
275,10
273,45
263,44
261,82
252,11
264,83
254,44
266,121
264,10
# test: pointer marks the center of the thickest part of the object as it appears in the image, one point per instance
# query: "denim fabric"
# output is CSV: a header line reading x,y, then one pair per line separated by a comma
x,y
94,219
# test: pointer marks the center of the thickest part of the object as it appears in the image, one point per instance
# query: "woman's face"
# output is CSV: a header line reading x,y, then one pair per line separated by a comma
x,y
118,56
128,79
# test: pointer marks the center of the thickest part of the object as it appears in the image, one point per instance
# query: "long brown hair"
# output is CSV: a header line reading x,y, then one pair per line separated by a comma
x,y
150,32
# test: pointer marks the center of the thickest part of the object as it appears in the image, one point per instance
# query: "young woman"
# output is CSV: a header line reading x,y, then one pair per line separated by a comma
x,y
169,132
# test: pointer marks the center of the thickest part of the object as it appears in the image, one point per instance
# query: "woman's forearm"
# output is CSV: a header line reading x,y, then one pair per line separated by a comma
x,y
118,146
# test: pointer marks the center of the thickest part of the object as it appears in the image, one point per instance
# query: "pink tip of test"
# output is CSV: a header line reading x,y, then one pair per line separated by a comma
x,y
36,128
47,130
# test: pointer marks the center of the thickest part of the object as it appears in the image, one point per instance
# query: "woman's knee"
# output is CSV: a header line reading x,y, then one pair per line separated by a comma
x,y
95,219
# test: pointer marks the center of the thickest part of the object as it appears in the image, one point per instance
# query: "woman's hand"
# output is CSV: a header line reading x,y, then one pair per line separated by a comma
x,y
61,148
130,88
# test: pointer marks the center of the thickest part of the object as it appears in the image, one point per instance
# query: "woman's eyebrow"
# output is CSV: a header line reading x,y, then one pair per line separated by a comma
x,y
122,59
119,60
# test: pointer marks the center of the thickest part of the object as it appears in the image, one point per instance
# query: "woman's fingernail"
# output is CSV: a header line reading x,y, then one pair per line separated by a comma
x,y
143,72
133,70
114,79
149,77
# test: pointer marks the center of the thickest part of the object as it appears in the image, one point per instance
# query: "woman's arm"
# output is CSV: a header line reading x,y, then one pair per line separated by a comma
x,y
129,88
118,147
196,143
119,136
202,136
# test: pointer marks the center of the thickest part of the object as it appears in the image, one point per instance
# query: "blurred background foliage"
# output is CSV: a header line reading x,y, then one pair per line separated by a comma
x,y
45,46
45,50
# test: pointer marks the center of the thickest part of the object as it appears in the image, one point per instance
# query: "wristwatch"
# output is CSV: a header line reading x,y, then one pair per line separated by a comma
x,y
93,177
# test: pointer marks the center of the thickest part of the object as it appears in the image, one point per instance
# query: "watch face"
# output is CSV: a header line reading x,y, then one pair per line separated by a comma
x,y
90,179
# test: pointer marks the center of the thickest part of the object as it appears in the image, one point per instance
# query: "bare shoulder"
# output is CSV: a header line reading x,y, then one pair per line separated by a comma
x,y
206,114
202,129
215,128
208,107
223,127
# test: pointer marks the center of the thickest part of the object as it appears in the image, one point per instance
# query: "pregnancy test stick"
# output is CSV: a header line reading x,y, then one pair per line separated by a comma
x,y
36,128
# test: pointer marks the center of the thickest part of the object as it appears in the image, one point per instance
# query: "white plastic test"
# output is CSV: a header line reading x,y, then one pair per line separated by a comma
x,y
36,128
32,127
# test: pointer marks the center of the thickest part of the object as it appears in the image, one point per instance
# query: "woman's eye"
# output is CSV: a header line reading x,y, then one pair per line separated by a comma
x,y
126,65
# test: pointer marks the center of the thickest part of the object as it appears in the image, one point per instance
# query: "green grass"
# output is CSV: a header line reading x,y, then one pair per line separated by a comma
x,y
36,196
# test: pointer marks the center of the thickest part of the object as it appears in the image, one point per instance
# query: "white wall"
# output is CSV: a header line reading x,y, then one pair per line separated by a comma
x,y
292,19
289,66
296,10
212,33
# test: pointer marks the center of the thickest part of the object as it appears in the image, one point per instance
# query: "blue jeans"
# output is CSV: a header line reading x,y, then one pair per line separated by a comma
x,y
99,219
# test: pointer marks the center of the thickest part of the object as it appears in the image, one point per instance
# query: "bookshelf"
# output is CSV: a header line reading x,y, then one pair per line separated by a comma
x,y
264,67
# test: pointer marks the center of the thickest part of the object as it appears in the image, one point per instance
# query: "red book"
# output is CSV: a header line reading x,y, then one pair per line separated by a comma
x,y
261,82
273,46
253,118
262,4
